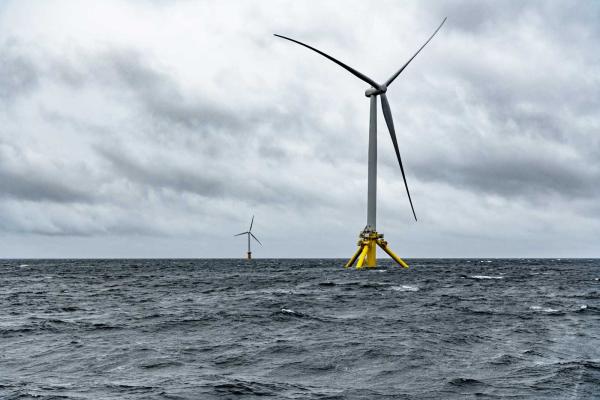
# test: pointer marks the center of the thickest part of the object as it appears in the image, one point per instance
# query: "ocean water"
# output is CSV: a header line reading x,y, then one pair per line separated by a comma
x,y
299,329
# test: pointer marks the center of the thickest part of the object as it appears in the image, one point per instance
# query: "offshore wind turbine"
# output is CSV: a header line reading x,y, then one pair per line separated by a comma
x,y
249,234
369,238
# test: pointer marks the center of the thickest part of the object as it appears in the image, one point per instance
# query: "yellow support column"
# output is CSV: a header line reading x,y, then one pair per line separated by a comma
x,y
354,257
372,253
383,244
361,259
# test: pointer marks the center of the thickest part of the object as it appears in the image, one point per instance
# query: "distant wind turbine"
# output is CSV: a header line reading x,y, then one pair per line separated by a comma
x,y
369,237
249,233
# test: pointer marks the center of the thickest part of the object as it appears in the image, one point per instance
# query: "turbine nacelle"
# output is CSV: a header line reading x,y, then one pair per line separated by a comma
x,y
372,91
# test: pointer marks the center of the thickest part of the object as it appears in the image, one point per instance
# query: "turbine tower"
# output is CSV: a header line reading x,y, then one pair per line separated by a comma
x,y
369,238
249,233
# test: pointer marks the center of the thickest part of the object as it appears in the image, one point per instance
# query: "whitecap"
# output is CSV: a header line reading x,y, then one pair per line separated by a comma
x,y
23,265
486,277
270,291
293,313
405,288
543,309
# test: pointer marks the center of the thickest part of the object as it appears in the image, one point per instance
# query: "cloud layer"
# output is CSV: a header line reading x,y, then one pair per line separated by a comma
x,y
150,129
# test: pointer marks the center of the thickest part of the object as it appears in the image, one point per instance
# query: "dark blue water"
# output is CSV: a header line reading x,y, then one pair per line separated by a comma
x,y
299,329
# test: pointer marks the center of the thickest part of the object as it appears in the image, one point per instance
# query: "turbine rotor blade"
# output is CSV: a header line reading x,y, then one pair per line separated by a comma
x,y
251,222
354,72
389,81
387,114
243,233
256,239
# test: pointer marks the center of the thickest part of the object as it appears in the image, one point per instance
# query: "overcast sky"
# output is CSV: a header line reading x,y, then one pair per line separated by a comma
x,y
158,128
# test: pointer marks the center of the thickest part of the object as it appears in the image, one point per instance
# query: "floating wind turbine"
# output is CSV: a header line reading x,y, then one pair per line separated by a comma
x,y
369,236
250,234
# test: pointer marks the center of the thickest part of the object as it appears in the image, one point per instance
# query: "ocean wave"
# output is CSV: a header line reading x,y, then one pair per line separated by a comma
x,y
485,277
291,313
373,284
272,291
405,288
238,387
505,359
547,310
587,309
462,382
327,284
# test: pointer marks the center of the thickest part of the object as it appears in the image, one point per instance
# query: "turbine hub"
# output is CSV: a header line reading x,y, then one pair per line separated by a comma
x,y
375,91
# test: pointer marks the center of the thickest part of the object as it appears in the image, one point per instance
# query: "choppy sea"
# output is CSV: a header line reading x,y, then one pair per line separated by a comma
x,y
299,329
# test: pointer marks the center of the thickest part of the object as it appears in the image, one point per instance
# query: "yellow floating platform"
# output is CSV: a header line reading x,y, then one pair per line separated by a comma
x,y
367,251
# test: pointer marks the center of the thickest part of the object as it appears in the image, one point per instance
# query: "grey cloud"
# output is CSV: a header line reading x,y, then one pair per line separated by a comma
x,y
515,175
119,70
23,179
212,180
33,187
123,70
165,101
158,175
18,74
161,95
